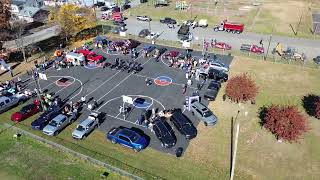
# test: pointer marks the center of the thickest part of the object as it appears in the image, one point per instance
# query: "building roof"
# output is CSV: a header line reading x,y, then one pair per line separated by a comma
x,y
28,11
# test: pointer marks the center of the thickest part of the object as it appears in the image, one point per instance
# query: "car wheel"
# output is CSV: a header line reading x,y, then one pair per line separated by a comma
x,y
114,141
136,150
84,136
162,144
192,113
20,102
55,133
205,123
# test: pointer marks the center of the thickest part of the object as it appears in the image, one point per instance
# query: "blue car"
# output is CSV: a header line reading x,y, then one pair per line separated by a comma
x,y
148,48
127,137
45,117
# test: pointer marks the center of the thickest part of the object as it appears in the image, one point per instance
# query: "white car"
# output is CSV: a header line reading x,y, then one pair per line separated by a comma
x,y
153,35
219,66
85,127
143,18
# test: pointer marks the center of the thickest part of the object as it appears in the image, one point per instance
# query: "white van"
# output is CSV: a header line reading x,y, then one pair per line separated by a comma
x,y
203,23
75,58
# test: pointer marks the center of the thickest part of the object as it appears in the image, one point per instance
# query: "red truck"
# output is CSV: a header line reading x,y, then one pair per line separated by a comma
x,y
229,27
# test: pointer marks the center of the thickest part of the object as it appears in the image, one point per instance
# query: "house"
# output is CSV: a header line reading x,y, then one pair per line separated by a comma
x,y
28,10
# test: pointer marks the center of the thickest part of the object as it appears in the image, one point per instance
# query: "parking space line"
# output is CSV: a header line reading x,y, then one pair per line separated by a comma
x,y
120,83
102,83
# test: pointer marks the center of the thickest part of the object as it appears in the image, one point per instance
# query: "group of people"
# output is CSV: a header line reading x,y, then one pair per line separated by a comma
x,y
12,86
148,117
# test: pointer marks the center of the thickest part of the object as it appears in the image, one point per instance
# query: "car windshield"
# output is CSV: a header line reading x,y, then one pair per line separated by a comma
x,y
213,86
207,114
80,128
53,123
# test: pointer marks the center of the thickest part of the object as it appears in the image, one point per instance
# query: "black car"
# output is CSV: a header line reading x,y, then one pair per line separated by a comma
x,y
117,29
168,20
217,75
164,133
212,90
317,60
183,124
45,117
143,33
119,23
104,8
99,4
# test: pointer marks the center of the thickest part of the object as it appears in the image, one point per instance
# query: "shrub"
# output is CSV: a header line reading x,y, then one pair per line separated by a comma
x,y
241,88
311,104
317,109
285,122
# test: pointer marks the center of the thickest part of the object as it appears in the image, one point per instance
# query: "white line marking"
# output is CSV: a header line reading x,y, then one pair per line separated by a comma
x,y
120,82
103,83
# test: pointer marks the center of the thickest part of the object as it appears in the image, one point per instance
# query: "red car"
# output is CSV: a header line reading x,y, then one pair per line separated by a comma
x,y
221,45
26,111
94,57
252,48
172,54
83,52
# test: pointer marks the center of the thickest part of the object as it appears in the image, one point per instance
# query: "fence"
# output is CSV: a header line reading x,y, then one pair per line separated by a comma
x,y
89,155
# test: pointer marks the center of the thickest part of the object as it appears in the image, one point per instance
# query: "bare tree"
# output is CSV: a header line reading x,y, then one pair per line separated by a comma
x,y
18,28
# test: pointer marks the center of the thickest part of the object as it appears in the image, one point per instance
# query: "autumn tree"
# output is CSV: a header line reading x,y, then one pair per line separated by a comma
x,y
241,88
18,28
72,19
317,109
5,16
285,122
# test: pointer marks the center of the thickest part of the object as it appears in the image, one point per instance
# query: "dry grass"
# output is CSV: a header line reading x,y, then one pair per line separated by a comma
x,y
259,154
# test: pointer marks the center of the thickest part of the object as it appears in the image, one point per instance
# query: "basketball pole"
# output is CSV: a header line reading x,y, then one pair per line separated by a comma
x,y
235,152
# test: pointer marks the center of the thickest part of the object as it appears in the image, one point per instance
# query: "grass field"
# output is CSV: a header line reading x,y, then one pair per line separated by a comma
x,y
260,156
270,16
29,159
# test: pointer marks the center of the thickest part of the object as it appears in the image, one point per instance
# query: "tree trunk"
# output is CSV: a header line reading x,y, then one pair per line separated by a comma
x,y
24,54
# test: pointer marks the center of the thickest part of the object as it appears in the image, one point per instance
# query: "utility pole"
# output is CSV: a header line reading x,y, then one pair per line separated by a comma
x,y
235,152
266,56
36,80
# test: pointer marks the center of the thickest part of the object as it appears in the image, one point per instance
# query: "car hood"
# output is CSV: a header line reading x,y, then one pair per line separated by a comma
x,y
190,131
49,128
211,120
78,133
169,140
142,141
40,121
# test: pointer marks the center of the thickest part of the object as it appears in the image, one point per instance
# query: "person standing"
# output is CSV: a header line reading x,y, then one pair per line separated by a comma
x,y
184,89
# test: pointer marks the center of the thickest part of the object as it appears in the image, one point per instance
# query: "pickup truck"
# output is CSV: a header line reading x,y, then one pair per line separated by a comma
x,y
184,32
57,124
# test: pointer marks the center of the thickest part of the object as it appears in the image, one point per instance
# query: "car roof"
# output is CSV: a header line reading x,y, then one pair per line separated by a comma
x,y
127,132
3,98
86,122
179,115
199,105
59,117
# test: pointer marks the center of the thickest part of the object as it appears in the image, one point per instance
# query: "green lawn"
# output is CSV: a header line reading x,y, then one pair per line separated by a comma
x,y
29,159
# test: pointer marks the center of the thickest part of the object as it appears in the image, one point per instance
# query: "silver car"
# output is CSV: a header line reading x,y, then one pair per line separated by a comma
x,y
86,126
56,124
203,113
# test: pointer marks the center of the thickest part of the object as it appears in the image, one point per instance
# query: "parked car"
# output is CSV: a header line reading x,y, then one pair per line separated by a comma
x,y
219,66
95,57
110,4
7,102
148,48
57,124
153,35
252,48
171,54
143,33
168,20
159,52
45,117
221,45
26,111
104,8
217,75
117,29
164,133
119,23
144,18
85,127
99,4
183,124
127,137
317,60
203,113
212,90
84,52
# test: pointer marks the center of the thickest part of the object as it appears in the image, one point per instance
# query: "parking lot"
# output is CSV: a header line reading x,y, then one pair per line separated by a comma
x,y
107,86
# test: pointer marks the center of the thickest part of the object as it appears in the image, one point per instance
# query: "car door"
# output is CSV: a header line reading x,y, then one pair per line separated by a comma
x,y
124,141
64,122
90,126
157,132
199,113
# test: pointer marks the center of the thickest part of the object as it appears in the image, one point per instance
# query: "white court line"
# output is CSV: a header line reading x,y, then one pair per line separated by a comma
x,y
66,86
120,82
102,83
171,83
118,114
81,85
